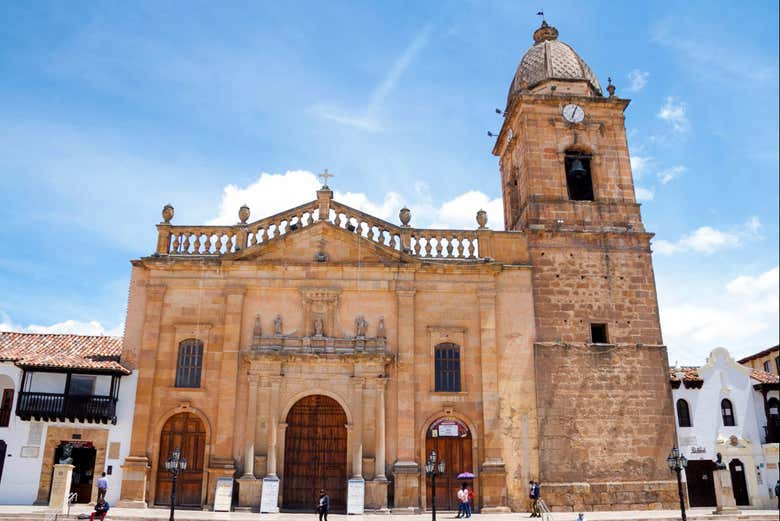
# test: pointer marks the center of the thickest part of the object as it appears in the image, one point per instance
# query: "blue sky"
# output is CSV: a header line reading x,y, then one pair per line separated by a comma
x,y
109,111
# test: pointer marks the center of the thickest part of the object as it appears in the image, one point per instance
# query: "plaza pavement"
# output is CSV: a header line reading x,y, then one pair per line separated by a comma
x,y
30,513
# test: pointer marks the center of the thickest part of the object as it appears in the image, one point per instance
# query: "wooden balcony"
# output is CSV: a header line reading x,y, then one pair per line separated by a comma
x,y
62,407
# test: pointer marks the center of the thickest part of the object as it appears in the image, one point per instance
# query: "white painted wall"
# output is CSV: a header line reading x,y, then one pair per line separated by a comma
x,y
724,378
21,476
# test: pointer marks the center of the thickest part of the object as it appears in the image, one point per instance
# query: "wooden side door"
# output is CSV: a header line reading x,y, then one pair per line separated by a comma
x,y
457,457
701,487
739,482
183,431
3,448
315,454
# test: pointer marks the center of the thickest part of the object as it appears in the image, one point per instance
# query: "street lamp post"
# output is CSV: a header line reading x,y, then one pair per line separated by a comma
x,y
175,464
677,462
432,469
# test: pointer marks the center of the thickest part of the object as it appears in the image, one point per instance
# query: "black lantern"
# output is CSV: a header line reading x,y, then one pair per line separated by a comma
x,y
432,469
677,462
175,465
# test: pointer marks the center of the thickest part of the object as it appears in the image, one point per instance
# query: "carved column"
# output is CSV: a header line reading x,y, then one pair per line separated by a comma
x,y
248,486
224,449
251,423
357,435
136,465
493,476
273,425
379,470
406,471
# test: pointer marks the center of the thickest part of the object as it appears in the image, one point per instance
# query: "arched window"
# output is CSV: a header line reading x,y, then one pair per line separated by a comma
x,y
447,357
578,178
6,404
190,363
683,413
727,411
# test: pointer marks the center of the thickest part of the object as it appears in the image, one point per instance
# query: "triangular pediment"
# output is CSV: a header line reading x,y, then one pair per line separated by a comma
x,y
321,242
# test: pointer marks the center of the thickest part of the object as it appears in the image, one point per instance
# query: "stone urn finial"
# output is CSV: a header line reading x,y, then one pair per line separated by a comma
x,y
243,213
405,215
167,213
482,219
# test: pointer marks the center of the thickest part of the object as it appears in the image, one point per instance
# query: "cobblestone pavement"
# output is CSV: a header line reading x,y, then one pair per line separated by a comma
x,y
25,513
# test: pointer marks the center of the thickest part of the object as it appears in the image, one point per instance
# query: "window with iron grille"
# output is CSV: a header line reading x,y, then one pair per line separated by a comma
x,y
447,357
683,413
727,411
190,363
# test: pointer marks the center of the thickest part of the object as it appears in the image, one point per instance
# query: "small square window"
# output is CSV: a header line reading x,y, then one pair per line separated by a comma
x,y
598,334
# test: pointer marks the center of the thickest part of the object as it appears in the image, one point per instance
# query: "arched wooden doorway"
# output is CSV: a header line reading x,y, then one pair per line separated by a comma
x,y
184,431
739,483
315,454
451,439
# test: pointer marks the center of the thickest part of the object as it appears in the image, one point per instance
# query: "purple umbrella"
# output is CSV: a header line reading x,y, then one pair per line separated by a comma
x,y
465,475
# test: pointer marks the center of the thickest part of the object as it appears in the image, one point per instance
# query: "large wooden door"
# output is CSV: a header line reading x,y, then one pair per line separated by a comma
x,y
315,454
739,483
183,431
451,440
701,488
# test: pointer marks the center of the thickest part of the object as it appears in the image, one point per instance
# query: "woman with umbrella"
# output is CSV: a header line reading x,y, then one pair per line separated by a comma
x,y
465,494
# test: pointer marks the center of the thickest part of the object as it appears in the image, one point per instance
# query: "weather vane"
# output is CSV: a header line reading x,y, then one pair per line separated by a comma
x,y
325,176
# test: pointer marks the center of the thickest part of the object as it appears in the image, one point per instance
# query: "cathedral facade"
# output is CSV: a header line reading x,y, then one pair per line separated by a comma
x,y
323,346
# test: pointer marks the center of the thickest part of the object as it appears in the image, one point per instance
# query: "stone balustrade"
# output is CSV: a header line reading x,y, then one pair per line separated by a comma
x,y
175,240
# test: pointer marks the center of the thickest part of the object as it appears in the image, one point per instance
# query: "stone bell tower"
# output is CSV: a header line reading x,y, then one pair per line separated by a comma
x,y
599,355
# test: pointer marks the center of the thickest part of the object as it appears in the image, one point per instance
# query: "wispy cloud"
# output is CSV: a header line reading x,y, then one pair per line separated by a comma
x,y
708,240
709,56
73,327
368,118
637,79
666,175
673,112
644,194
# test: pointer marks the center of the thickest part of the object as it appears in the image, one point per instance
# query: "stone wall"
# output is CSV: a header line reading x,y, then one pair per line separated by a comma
x,y
605,419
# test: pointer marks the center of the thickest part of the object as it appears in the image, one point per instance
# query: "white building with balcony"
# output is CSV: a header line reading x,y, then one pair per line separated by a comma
x,y
724,407
62,394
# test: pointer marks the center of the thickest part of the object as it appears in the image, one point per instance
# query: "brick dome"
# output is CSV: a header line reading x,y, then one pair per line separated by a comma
x,y
551,59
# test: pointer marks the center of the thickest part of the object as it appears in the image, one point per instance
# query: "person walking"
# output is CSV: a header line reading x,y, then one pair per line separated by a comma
x,y
534,493
102,486
464,507
580,517
777,493
323,505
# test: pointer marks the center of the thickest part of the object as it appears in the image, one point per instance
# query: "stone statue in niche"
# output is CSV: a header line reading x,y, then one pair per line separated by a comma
x,y
67,454
278,325
360,327
380,328
318,326
258,330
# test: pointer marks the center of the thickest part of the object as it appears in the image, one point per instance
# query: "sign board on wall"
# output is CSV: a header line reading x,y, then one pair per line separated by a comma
x,y
356,492
223,495
448,430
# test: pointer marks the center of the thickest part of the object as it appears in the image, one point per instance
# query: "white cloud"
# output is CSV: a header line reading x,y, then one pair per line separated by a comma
x,y
664,176
367,119
644,194
273,193
742,317
640,165
673,112
708,240
638,80
73,327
